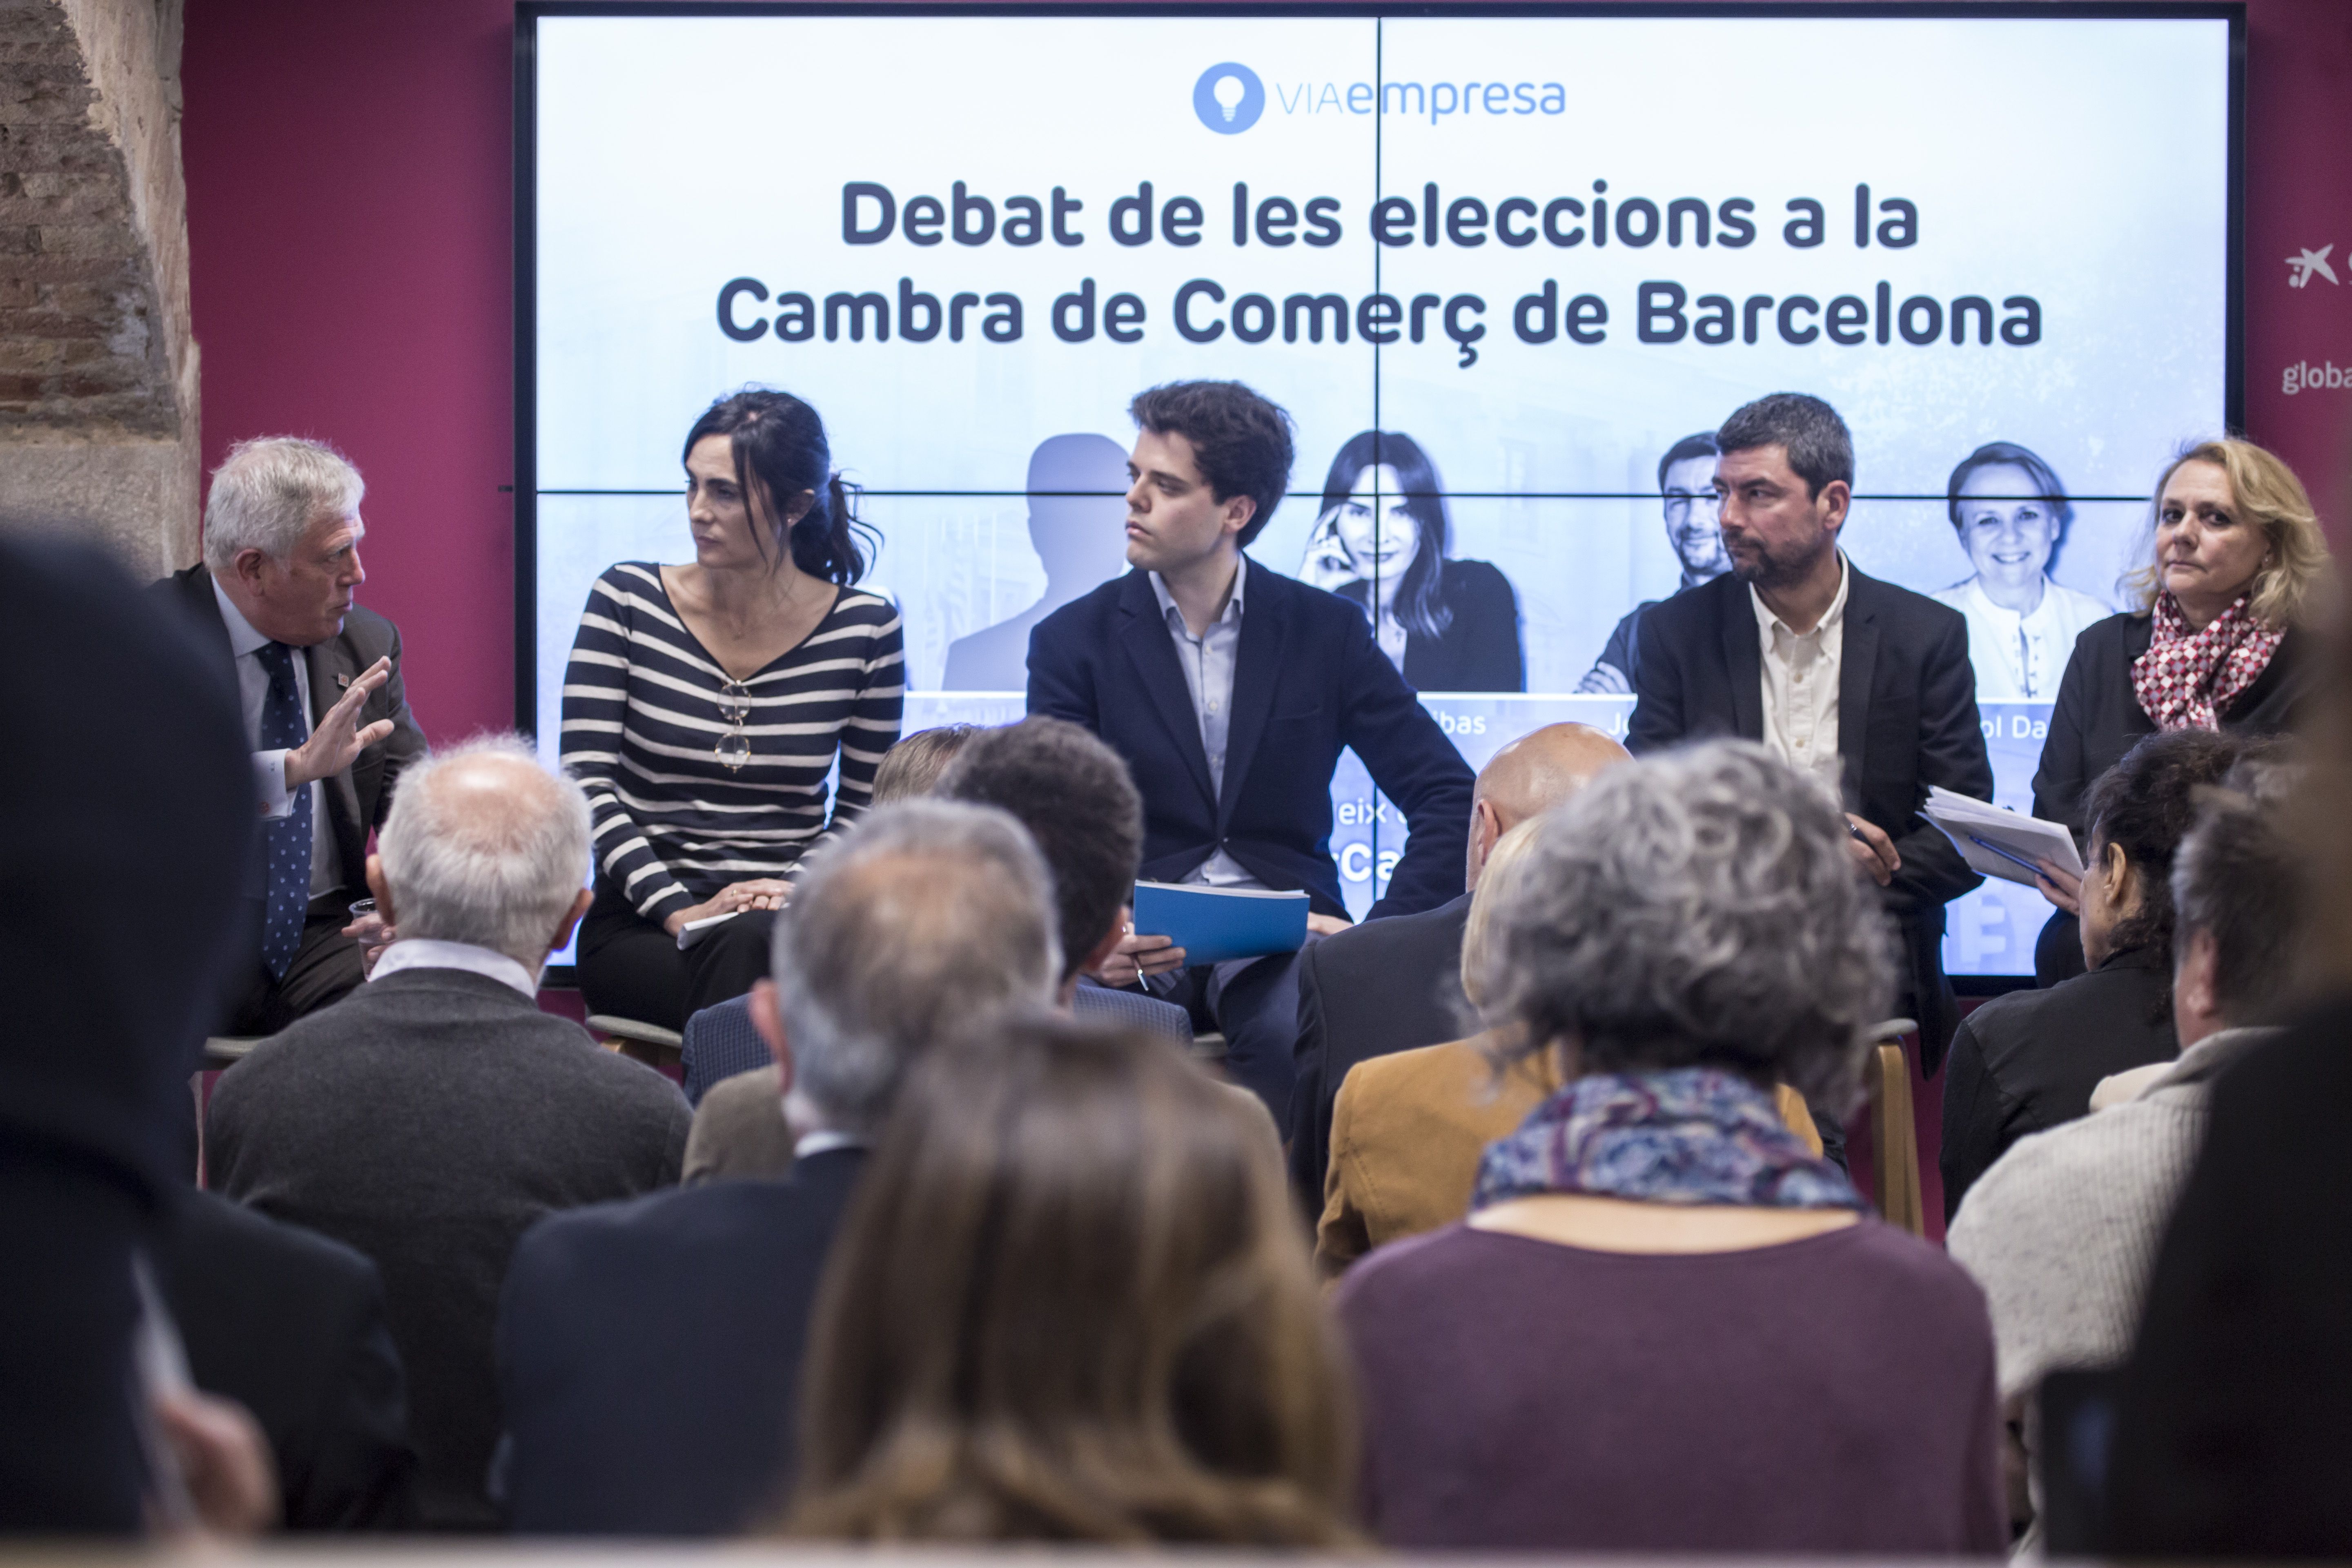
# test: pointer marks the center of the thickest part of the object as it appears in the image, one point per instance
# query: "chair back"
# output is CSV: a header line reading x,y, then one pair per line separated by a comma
x,y
1895,1138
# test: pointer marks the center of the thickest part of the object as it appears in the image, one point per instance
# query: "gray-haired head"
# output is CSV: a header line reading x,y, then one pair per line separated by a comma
x,y
486,844
272,489
1697,908
928,918
1819,446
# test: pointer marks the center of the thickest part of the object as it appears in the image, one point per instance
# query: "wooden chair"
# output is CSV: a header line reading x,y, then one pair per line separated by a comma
x,y
1894,1136
648,1043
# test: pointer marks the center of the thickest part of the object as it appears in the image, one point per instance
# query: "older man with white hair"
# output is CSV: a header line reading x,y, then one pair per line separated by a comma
x,y
435,1114
326,716
652,1350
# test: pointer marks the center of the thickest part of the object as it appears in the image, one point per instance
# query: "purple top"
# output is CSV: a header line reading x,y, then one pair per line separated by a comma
x,y
1829,1394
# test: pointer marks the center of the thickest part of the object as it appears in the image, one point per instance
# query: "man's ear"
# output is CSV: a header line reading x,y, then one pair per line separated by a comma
x,y
1239,510
246,566
1835,501
1486,828
2193,975
382,891
562,931
768,1018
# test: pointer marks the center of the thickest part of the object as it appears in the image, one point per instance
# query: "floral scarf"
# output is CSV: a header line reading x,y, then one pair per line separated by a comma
x,y
2186,679
1694,1135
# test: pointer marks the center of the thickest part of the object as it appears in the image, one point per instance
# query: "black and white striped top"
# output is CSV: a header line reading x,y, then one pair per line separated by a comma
x,y
641,718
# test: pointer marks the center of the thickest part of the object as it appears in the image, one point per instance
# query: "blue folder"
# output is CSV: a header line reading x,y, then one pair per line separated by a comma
x,y
1213,924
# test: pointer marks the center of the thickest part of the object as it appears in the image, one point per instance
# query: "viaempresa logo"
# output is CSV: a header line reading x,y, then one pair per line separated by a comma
x,y
1229,98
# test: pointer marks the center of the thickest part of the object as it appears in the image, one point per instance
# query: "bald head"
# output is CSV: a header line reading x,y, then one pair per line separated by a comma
x,y
485,845
1532,774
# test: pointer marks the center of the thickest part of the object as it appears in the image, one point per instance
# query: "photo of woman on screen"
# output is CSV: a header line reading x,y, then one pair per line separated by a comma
x,y
1381,538
2011,512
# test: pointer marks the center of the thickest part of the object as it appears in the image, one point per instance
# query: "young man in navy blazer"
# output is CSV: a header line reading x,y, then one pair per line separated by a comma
x,y
1231,691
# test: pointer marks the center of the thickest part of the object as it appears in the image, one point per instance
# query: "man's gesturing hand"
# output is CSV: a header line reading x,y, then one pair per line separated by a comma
x,y
337,740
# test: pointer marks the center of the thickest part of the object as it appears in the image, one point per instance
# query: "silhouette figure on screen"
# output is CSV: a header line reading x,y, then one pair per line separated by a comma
x,y
1693,517
2009,509
1380,541
1080,538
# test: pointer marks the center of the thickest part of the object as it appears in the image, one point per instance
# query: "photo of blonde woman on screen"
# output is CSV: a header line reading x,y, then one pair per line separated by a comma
x,y
1380,540
2010,509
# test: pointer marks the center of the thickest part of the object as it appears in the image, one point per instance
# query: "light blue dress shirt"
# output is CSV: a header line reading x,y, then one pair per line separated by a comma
x,y
1208,661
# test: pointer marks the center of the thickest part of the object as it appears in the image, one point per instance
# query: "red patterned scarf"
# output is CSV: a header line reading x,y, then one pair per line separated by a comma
x,y
2186,679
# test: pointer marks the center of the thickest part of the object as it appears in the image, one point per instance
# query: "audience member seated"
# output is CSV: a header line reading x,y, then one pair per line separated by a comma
x,y
651,1351
2062,1230
432,1116
1394,984
329,730
1070,1305
912,768
1409,1128
2028,1061
292,1326
707,706
1667,1325
106,1011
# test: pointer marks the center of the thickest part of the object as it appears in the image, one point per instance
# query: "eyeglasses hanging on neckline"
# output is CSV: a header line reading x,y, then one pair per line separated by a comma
x,y
734,748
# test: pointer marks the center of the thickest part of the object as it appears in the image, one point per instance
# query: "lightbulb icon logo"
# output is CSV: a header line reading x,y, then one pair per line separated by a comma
x,y
1228,98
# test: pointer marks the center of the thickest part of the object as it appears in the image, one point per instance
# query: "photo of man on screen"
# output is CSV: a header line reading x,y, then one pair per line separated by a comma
x,y
1686,480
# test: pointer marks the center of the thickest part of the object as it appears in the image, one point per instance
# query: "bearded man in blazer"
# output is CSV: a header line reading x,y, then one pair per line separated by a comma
x,y
1862,684
272,598
1231,690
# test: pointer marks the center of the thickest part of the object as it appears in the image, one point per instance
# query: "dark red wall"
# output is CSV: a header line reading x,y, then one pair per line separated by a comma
x,y
349,219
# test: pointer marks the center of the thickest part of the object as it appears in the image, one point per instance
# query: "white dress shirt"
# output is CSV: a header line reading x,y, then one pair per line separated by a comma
x,y
1208,661
2022,659
422,953
269,767
1801,686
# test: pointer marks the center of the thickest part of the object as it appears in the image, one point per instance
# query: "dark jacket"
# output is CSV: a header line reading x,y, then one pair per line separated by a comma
x,y
2234,1425
1308,683
1907,719
1376,988
292,1326
429,1119
2028,1061
1479,649
359,798
649,1354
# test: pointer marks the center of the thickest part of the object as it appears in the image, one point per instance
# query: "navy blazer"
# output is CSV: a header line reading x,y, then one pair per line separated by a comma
x,y
1308,683
1907,719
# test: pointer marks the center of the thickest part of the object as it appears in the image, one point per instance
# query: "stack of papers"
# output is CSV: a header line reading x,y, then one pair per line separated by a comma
x,y
1998,842
1214,924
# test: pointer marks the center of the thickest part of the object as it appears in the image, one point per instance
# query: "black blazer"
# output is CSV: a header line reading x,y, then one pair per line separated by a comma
x,y
1479,649
292,1326
2028,1061
1380,987
2098,717
1907,719
1309,682
650,1354
359,798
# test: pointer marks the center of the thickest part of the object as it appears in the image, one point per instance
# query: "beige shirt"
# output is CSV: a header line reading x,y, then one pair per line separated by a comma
x,y
1801,686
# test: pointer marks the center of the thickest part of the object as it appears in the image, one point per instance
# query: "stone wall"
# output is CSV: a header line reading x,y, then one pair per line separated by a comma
x,y
99,401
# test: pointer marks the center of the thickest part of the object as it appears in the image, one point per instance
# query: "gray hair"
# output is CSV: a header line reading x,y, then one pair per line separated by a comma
x,y
486,844
926,918
2240,878
1699,906
269,491
1820,448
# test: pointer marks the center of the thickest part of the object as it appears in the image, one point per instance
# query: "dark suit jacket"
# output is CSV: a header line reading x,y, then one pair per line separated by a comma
x,y
2233,1425
292,1326
429,1119
1479,649
128,789
2098,717
649,1354
2028,1061
1385,986
1907,719
1309,682
359,798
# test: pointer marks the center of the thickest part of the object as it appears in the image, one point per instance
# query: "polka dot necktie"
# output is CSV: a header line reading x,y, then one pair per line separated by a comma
x,y
286,898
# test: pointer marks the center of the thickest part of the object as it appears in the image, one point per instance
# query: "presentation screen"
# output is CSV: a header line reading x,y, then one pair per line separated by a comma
x,y
1507,273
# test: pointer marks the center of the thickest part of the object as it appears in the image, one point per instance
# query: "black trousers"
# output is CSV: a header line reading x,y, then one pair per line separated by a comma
x,y
1254,1003
631,968
325,968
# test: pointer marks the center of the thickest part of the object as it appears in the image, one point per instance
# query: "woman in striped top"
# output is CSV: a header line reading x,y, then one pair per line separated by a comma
x,y
705,705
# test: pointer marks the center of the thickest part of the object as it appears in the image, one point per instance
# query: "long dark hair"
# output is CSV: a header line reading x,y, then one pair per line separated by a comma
x,y
780,451
1420,607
